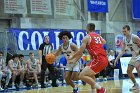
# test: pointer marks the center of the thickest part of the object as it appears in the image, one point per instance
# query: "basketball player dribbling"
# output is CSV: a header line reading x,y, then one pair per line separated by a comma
x,y
133,43
68,49
94,44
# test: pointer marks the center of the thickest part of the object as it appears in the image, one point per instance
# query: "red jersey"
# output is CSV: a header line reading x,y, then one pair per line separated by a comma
x,y
95,48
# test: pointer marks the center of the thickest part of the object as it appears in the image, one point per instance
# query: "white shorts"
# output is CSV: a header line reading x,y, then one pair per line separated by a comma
x,y
133,61
138,58
73,67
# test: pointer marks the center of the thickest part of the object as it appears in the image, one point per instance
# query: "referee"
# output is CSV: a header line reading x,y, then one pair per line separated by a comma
x,y
45,48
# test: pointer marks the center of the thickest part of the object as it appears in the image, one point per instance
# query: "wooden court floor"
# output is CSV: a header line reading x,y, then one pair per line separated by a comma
x,y
112,86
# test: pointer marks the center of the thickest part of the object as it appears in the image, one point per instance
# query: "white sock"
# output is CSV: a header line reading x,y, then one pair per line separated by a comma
x,y
97,86
75,86
13,83
93,91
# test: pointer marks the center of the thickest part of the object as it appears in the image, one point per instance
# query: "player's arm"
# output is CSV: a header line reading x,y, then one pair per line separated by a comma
x,y
137,41
74,47
103,40
79,53
38,66
3,65
58,52
19,66
29,66
120,53
10,65
40,56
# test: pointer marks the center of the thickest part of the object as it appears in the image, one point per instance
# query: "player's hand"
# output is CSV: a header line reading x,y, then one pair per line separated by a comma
x,y
116,62
40,62
70,60
137,52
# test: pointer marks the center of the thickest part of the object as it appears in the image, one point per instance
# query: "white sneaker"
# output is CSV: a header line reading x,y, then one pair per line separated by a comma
x,y
135,87
45,83
1,89
37,85
21,85
105,79
97,79
13,86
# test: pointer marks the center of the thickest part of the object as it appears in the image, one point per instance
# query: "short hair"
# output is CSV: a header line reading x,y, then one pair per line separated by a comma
x,y
91,26
31,53
126,26
21,55
1,52
15,55
46,36
67,33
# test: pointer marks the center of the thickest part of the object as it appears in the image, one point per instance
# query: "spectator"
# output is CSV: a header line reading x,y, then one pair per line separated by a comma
x,y
111,59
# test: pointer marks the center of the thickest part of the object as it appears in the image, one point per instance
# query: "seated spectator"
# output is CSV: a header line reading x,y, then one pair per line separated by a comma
x,y
34,67
15,68
3,71
111,59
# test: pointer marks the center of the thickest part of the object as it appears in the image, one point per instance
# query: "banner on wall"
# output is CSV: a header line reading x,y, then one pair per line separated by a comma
x,y
98,5
136,9
124,64
30,39
138,33
118,42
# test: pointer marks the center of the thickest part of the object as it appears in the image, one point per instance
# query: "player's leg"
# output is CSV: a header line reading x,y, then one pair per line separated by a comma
x,y
75,76
36,79
132,77
1,73
8,74
138,68
75,73
130,68
21,73
14,74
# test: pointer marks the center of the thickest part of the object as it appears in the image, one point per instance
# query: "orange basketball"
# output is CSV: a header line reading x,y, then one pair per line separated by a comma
x,y
50,58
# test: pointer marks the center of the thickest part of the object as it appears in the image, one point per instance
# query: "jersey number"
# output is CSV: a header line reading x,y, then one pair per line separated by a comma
x,y
97,40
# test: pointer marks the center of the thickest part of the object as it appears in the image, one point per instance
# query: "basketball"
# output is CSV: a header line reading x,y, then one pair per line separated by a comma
x,y
50,58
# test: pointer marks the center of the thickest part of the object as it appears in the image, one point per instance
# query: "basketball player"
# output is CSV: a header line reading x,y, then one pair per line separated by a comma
x,y
33,66
94,44
44,49
15,68
3,71
23,68
133,43
68,49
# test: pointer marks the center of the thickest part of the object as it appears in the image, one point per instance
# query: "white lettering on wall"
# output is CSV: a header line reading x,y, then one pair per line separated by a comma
x,y
78,38
21,41
97,2
33,42
57,39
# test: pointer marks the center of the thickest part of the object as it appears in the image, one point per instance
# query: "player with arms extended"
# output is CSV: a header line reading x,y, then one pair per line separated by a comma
x,y
132,42
94,44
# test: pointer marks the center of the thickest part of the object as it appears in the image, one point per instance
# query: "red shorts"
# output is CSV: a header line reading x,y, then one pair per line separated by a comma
x,y
99,64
